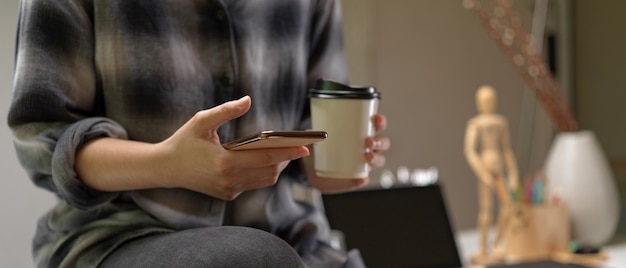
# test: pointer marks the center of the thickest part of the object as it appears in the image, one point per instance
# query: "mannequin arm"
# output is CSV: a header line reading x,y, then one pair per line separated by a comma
x,y
472,156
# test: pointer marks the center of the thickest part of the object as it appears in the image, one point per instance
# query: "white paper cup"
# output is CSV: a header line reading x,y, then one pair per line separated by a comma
x,y
346,114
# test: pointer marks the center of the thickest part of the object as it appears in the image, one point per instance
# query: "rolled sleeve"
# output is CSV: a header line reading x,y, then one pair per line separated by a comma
x,y
67,183
56,106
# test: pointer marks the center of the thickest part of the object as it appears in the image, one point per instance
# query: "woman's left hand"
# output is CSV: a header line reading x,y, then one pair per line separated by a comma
x,y
376,146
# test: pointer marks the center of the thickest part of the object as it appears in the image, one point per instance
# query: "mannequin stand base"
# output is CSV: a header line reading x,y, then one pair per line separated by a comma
x,y
482,258
588,260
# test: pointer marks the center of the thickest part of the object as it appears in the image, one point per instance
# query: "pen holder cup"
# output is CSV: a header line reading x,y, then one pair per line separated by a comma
x,y
537,232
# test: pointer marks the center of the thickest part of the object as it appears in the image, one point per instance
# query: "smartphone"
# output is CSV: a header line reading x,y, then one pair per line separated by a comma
x,y
276,139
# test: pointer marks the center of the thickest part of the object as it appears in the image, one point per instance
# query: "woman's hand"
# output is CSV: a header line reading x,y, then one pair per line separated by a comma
x,y
375,148
192,158
197,160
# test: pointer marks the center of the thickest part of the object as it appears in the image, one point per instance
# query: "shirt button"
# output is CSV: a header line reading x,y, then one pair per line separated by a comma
x,y
220,14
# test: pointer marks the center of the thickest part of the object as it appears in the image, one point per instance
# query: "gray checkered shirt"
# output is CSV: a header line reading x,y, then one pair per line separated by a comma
x,y
138,70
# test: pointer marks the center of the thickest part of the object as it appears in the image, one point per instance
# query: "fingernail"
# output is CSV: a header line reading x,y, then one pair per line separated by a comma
x,y
378,143
238,101
303,152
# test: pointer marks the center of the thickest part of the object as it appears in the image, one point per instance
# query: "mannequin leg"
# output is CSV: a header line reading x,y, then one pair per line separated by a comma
x,y
484,217
504,214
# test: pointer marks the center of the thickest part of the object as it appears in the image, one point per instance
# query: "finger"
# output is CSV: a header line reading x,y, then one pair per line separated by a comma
x,y
250,176
260,181
378,144
263,157
255,178
375,160
212,118
242,182
380,122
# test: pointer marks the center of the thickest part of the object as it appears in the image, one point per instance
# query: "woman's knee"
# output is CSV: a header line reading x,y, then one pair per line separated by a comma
x,y
257,248
227,246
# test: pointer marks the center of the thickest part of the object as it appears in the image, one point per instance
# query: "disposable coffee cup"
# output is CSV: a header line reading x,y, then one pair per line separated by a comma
x,y
345,112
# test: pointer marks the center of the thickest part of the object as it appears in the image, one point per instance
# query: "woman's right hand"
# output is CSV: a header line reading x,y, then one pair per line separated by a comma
x,y
195,159
192,158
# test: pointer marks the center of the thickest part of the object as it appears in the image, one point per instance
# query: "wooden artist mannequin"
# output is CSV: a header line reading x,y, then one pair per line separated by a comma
x,y
489,154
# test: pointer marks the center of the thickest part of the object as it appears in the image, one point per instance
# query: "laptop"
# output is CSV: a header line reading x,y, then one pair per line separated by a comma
x,y
397,227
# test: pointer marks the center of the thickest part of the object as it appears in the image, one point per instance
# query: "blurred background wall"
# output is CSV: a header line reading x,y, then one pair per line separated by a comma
x,y
427,57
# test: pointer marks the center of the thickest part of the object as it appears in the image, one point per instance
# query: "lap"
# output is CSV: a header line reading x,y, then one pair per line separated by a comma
x,y
226,246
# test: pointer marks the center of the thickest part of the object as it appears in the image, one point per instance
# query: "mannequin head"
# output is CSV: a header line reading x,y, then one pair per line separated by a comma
x,y
486,100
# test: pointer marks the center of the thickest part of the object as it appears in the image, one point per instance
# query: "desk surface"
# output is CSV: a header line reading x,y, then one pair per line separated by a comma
x,y
467,243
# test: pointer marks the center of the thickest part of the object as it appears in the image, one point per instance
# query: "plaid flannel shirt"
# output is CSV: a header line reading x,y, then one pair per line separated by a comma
x,y
138,70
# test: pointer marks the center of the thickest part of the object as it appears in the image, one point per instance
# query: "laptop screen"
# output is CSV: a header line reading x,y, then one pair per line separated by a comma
x,y
398,227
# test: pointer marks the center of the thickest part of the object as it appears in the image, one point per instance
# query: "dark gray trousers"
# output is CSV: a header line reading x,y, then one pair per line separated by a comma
x,y
227,246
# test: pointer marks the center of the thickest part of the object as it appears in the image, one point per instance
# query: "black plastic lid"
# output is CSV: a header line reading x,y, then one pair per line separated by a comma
x,y
327,89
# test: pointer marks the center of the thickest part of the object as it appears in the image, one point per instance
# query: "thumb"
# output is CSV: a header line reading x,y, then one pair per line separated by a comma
x,y
213,118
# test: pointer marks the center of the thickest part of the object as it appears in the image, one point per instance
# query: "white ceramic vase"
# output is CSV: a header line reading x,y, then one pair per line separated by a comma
x,y
579,174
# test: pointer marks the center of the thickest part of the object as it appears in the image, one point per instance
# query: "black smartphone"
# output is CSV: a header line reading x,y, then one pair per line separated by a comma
x,y
276,139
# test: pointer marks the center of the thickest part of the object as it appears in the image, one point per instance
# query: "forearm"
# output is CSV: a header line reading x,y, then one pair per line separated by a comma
x,y
477,166
109,164
475,163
